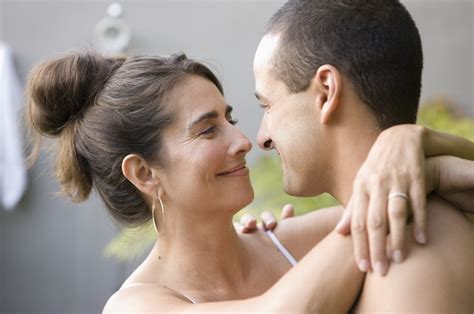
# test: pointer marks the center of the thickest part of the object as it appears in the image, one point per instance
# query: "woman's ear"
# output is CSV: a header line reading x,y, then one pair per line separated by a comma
x,y
328,84
139,172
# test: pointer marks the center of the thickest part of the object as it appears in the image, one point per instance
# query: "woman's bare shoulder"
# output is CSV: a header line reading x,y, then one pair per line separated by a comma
x,y
142,297
301,233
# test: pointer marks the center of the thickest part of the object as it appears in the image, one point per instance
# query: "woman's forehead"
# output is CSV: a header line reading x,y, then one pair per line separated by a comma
x,y
195,96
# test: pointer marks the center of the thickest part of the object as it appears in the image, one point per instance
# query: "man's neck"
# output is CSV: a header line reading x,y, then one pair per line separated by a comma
x,y
350,152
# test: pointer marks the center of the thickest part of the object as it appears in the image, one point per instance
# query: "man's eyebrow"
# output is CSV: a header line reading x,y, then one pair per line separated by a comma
x,y
210,115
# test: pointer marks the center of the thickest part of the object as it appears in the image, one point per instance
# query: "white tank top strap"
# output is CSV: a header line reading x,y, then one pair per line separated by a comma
x,y
144,284
183,295
281,248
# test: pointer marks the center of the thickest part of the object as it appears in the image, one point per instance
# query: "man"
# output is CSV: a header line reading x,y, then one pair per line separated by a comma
x,y
331,75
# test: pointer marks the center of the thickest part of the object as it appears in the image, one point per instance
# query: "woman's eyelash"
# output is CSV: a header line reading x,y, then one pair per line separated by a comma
x,y
212,128
208,131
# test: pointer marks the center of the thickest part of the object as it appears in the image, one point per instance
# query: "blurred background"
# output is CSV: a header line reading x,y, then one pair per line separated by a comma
x,y
60,257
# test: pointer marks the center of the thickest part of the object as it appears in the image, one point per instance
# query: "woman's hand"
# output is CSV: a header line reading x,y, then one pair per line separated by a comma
x,y
389,187
248,222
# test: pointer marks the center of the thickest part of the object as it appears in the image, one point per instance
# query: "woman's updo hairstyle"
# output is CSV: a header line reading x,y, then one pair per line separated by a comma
x,y
102,109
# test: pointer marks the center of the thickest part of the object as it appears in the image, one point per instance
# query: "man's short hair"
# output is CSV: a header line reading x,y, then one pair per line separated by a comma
x,y
374,43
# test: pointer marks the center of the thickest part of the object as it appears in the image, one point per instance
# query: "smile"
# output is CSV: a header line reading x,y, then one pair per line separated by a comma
x,y
238,171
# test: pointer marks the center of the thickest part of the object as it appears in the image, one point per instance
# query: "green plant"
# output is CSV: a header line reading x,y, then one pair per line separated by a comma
x,y
266,178
441,115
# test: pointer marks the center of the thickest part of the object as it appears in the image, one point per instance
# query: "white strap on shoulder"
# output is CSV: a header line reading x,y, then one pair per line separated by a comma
x,y
281,248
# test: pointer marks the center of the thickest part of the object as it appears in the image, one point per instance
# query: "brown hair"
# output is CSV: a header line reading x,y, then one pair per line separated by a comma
x,y
102,109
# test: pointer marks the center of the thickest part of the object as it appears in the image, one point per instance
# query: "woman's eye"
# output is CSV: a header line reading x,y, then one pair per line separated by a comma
x,y
207,131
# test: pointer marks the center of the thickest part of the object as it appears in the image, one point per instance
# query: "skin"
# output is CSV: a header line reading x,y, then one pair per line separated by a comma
x,y
336,124
228,271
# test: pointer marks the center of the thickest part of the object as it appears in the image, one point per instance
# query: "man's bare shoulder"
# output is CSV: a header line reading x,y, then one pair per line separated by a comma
x,y
435,277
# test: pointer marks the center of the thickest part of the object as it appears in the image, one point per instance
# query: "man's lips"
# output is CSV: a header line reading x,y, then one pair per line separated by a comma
x,y
237,170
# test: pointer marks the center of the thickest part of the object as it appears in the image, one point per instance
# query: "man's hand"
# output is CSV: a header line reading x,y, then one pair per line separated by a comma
x,y
248,222
390,183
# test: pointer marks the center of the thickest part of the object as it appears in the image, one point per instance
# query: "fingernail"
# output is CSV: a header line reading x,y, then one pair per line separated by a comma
x,y
380,268
420,237
364,265
397,256
271,223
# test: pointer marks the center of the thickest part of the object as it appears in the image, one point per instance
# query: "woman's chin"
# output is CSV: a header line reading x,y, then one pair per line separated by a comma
x,y
243,199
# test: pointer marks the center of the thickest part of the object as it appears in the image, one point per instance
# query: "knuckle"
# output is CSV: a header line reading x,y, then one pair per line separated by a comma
x,y
358,226
375,222
417,173
378,254
397,212
396,243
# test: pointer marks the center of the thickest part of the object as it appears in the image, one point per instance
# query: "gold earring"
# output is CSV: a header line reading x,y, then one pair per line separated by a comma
x,y
153,215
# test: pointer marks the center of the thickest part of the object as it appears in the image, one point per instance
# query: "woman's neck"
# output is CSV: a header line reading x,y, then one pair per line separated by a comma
x,y
202,252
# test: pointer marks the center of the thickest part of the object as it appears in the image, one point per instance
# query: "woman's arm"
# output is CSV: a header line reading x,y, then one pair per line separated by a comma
x,y
326,280
452,179
395,166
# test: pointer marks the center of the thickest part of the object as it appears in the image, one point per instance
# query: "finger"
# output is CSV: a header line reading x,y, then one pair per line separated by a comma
x,y
288,211
377,230
240,227
249,221
397,217
359,230
418,206
344,225
268,220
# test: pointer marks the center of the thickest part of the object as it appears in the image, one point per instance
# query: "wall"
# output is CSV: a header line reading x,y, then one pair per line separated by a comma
x,y
50,249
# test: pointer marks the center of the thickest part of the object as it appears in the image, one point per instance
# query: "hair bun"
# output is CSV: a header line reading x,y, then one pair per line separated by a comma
x,y
60,90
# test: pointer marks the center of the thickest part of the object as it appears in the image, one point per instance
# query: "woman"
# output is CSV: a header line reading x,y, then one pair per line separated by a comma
x,y
157,140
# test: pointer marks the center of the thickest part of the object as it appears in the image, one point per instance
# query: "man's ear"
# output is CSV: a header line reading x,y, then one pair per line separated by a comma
x,y
139,172
328,84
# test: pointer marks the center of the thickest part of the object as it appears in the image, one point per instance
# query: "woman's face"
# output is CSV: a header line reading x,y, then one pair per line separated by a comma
x,y
205,165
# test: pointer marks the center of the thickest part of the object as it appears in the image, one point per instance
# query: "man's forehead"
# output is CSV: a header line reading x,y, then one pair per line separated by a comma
x,y
265,51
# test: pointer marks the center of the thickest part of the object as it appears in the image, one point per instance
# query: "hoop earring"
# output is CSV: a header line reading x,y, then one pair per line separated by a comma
x,y
153,215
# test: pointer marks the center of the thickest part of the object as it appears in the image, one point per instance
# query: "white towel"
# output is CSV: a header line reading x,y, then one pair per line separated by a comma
x,y
12,166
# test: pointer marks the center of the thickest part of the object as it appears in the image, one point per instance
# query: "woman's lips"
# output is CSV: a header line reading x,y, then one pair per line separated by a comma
x,y
241,171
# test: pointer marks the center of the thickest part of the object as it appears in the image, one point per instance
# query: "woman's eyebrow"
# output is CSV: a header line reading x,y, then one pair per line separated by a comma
x,y
209,115
206,116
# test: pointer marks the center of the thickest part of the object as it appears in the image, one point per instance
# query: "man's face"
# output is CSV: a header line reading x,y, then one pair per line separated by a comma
x,y
290,125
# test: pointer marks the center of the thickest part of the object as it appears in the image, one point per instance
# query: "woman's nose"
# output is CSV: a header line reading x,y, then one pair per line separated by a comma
x,y
241,144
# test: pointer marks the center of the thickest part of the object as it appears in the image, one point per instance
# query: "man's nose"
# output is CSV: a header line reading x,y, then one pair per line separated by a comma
x,y
263,138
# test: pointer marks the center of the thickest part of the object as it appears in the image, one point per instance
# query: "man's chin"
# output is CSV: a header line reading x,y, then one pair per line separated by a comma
x,y
293,188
